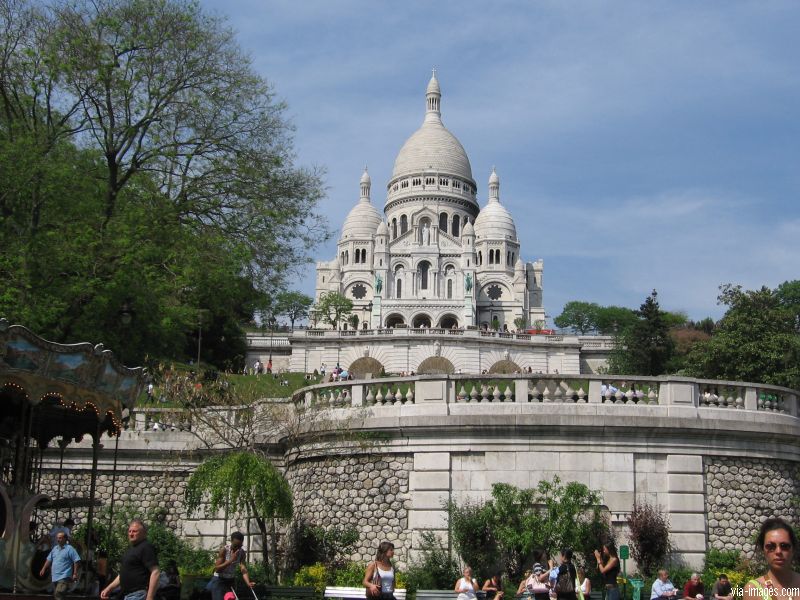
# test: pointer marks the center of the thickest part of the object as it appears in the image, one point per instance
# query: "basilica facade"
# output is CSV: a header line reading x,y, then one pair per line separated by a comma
x,y
435,259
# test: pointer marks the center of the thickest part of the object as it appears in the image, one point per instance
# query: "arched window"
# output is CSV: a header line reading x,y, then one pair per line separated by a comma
x,y
480,258
403,224
398,289
357,257
443,222
449,289
347,257
508,258
363,255
491,257
424,267
456,225
394,228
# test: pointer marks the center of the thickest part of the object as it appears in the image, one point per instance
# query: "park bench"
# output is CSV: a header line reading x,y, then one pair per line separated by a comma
x,y
276,592
355,593
445,595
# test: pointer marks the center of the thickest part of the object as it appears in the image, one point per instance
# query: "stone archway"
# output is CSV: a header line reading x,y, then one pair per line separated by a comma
x,y
421,321
366,365
505,367
435,365
395,320
448,321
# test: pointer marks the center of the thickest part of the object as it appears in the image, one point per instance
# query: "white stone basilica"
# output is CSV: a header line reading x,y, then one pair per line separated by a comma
x,y
438,260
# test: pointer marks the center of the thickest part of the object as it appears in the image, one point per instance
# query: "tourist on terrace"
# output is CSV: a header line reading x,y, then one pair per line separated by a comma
x,y
662,587
494,587
536,583
722,589
138,573
694,588
777,542
583,585
566,577
466,586
65,561
379,576
608,565
229,557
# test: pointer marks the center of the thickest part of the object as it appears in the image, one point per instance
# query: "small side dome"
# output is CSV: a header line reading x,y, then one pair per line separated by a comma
x,y
362,221
382,229
365,178
468,230
494,221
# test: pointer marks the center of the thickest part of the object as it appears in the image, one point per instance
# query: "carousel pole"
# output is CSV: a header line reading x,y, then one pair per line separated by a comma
x,y
63,445
96,445
113,488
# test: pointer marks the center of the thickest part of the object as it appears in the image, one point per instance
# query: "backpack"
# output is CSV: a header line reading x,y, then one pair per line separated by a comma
x,y
565,583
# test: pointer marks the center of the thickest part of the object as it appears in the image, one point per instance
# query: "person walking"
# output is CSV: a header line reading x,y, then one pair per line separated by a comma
x,y
138,572
777,542
229,557
379,576
65,562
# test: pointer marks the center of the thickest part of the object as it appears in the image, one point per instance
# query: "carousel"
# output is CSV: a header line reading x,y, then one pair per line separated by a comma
x,y
51,395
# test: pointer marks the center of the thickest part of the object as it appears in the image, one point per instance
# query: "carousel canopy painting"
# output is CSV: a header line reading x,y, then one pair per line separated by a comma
x,y
50,394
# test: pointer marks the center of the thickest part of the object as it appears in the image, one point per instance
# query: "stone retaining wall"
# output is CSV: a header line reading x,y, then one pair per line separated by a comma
x,y
369,493
742,492
144,491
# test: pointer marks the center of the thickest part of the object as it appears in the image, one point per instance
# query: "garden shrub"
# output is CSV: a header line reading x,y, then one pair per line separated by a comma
x,y
649,538
503,533
315,576
434,570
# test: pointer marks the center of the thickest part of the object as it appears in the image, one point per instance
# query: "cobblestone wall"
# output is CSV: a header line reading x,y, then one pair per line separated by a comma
x,y
741,493
369,493
144,491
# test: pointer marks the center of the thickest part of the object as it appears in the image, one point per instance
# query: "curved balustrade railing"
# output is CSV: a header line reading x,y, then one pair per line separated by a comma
x,y
531,389
589,342
630,391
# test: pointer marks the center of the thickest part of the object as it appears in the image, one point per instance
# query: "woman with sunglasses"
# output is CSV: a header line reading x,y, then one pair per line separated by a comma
x,y
777,541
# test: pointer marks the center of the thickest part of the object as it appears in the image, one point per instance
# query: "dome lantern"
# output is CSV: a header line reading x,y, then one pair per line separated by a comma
x,y
433,99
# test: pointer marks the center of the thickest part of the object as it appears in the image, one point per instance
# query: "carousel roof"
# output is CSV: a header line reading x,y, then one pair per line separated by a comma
x,y
75,389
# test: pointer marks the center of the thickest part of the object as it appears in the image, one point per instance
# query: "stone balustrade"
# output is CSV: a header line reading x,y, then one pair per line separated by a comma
x,y
594,342
629,391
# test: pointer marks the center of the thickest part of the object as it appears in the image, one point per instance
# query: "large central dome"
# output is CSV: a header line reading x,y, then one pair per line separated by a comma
x,y
432,146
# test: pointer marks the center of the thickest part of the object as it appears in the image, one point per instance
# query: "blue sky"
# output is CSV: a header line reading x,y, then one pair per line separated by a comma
x,y
640,145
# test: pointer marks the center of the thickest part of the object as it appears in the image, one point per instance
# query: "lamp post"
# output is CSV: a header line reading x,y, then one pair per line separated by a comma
x,y
271,322
369,309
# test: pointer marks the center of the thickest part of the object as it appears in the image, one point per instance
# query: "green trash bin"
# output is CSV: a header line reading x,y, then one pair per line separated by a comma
x,y
637,584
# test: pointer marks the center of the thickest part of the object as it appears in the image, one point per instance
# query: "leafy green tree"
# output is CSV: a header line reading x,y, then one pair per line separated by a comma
x,y
758,338
612,320
645,347
580,317
144,167
294,305
521,323
248,483
333,308
503,533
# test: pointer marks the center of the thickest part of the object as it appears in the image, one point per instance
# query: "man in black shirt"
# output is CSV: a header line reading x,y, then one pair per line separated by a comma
x,y
138,573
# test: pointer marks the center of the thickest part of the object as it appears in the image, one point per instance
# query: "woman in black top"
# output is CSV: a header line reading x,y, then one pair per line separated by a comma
x,y
565,580
494,587
608,565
